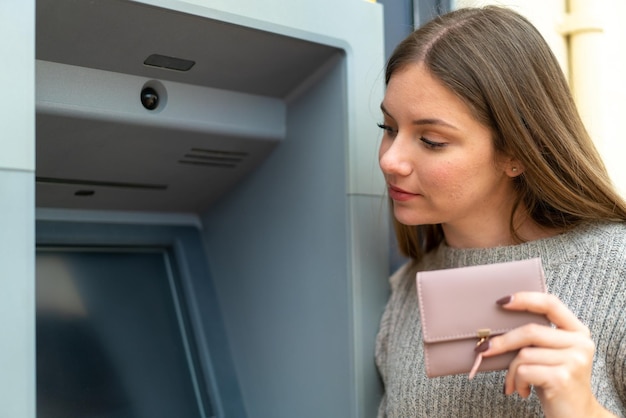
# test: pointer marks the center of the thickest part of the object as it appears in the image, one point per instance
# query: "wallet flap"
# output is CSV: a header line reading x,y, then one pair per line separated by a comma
x,y
456,303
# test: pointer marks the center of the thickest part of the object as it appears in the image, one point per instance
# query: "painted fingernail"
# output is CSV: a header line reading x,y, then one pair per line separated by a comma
x,y
482,347
504,300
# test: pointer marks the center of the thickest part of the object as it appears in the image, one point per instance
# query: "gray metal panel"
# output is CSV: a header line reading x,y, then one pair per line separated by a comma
x,y
17,295
216,122
17,164
17,142
425,10
398,22
403,16
94,135
370,289
118,35
279,250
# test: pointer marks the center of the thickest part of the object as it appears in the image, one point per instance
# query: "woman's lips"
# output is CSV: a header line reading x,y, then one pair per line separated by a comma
x,y
398,194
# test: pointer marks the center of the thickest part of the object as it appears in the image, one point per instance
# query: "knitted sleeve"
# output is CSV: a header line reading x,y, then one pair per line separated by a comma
x,y
620,366
612,330
382,340
617,346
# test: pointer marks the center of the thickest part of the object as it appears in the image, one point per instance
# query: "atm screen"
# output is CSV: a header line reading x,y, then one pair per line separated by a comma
x,y
113,340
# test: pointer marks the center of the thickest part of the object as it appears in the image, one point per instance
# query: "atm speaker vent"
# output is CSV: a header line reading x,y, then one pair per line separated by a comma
x,y
213,158
95,183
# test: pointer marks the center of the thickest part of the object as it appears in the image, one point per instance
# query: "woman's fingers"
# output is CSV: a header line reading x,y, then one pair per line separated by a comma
x,y
549,367
569,330
557,360
531,361
529,376
546,304
535,335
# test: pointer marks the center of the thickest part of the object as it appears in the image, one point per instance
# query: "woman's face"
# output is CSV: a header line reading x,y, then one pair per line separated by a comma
x,y
439,162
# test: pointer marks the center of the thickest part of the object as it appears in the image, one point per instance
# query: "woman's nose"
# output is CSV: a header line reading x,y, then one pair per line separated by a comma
x,y
394,159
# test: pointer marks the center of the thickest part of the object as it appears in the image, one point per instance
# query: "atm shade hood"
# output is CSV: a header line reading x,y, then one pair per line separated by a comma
x,y
223,93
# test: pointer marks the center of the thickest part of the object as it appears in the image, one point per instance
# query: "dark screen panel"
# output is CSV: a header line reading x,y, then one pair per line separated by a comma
x,y
111,337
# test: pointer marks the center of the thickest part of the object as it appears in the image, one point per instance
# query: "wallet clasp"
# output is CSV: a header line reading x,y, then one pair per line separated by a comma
x,y
482,334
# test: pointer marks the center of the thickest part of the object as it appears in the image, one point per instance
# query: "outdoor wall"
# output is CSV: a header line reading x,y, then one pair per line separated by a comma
x,y
612,144
587,36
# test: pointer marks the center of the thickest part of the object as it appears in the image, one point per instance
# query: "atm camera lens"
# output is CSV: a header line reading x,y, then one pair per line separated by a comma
x,y
149,98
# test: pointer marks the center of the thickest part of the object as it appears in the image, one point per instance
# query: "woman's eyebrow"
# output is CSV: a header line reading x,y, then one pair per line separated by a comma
x,y
424,121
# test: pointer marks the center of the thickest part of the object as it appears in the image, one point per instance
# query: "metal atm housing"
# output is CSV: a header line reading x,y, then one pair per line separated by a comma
x,y
256,174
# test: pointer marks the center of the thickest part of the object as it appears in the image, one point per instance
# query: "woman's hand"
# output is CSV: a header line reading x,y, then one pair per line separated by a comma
x,y
556,361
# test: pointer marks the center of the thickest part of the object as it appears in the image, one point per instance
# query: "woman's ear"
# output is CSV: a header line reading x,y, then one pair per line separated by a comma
x,y
513,167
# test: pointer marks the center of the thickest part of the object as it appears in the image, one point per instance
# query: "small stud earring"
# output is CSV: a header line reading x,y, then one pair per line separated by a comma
x,y
514,169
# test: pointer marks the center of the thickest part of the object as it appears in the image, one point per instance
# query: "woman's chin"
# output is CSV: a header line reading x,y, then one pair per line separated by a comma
x,y
410,219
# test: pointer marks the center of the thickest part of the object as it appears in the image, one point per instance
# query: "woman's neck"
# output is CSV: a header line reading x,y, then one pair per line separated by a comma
x,y
497,233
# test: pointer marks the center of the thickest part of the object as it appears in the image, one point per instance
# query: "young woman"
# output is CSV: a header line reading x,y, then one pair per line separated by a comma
x,y
486,160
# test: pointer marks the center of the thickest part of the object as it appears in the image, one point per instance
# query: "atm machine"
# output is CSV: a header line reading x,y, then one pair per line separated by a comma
x,y
209,226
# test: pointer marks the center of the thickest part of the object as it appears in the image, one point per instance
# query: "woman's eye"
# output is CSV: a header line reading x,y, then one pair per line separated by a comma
x,y
432,144
388,129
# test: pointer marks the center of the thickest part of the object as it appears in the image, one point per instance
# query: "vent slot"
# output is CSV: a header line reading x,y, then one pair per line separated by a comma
x,y
213,158
123,185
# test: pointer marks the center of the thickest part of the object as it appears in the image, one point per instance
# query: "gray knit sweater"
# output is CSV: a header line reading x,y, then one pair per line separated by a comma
x,y
585,268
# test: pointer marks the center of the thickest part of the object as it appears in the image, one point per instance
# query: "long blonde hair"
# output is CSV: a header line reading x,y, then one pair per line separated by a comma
x,y
501,67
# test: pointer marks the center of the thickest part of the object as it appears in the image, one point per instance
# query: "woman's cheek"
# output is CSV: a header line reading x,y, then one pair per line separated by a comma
x,y
446,181
437,176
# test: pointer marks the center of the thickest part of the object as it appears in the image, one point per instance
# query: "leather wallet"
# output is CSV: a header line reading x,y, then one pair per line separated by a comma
x,y
458,311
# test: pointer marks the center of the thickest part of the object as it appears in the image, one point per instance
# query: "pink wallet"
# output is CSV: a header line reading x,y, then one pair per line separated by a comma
x,y
458,311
